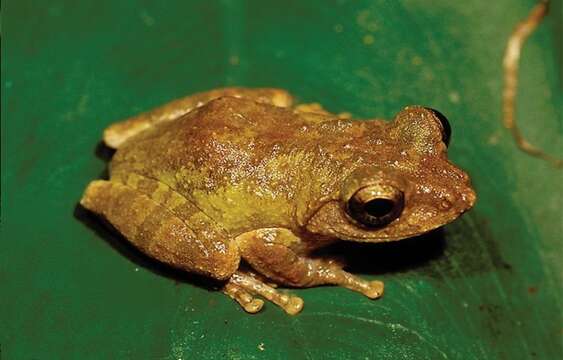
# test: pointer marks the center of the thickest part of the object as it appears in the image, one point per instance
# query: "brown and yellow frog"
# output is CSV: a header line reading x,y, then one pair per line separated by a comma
x,y
234,174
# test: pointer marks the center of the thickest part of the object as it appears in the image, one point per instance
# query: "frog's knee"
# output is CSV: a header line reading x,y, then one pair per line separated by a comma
x,y
93,196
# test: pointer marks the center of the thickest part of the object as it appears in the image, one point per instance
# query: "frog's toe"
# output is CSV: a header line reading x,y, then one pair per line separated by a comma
x,y
242,283
294,305
374,289
253,306
289,303
248,302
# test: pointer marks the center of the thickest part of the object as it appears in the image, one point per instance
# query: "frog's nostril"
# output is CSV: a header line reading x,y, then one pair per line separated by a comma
x,y
469,197
445,204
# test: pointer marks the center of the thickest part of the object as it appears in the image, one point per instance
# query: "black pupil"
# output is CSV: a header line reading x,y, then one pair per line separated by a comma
x,y
379,207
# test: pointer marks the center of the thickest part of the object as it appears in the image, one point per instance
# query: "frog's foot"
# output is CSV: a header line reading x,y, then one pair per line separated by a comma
x,y
241,287
312,107
318,109
249,303
371,289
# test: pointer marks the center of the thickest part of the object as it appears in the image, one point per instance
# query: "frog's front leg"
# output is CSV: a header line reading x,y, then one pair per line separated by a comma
x,y
244,297
269,251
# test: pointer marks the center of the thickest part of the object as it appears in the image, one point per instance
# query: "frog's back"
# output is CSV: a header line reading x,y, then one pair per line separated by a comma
x,y
225,156
225,136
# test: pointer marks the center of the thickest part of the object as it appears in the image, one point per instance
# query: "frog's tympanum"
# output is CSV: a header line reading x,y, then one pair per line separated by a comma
x,y
205,182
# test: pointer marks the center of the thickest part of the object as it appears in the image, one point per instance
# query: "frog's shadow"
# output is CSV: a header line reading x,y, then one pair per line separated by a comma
x,y
410,254
360,258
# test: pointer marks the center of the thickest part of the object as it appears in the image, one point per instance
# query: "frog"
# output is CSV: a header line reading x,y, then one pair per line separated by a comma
x,y
243,186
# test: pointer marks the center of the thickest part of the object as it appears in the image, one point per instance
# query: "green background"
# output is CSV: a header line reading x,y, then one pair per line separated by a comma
x,y
487,286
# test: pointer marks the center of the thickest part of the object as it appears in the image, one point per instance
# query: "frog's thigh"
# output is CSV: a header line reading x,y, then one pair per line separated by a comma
x,y
269,252
117,133
158,232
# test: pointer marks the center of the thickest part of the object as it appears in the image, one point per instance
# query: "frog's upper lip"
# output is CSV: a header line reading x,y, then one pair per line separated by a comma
x,y
378,238
470,197
382,237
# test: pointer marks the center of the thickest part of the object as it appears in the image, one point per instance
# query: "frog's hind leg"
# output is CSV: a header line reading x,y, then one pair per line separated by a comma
x,y
242,286
150,223
119,132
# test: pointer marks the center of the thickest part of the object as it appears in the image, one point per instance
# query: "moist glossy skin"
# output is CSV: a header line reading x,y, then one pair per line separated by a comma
x,y
240,173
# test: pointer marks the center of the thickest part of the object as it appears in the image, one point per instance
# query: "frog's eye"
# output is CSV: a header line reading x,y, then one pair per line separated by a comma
x,y
376,205
445,125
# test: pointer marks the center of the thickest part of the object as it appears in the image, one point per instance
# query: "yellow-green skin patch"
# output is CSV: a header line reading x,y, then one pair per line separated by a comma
x,y
230,162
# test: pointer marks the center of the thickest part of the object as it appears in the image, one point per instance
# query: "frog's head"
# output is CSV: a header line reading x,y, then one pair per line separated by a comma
x,y
403,186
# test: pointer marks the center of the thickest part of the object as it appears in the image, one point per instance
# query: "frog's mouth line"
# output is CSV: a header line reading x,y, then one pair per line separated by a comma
x,y
376,238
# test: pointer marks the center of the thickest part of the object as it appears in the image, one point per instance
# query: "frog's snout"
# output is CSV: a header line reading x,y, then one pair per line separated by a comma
x,y
468,197
462,202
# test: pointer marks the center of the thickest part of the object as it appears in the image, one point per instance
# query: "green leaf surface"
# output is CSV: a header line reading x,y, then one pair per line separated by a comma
x,y
486,286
